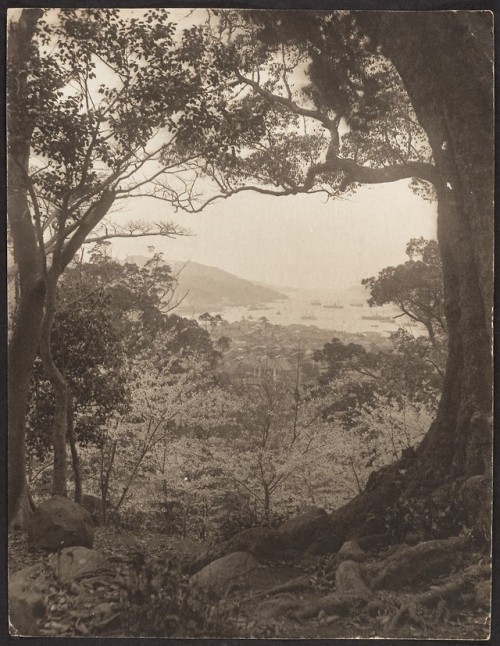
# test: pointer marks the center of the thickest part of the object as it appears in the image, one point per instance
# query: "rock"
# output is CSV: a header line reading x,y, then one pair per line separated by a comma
x,y
298,533
350,551
93,504
348,580
264,543
26,600
217,575
60,522
412,537
73,563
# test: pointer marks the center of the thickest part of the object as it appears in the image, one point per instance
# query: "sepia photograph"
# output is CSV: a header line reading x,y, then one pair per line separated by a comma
x,y
250,323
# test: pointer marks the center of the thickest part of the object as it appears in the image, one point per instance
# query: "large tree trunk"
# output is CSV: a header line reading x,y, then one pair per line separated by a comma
x,y
22,352
445,62
26,324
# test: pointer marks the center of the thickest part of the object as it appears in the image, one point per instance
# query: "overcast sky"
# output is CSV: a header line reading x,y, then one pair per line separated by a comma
x,y
296,241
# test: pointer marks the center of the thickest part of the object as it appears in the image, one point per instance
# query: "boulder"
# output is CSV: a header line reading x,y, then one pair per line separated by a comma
x,y
60,522
26,600
93,504
298,533
350,551
73,563
263,542
349,580
220,573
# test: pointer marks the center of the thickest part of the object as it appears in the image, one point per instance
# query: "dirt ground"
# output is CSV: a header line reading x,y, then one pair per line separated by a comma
x,y
264,601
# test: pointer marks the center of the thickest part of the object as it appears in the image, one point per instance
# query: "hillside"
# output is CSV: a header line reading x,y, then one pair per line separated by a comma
x,y
211,288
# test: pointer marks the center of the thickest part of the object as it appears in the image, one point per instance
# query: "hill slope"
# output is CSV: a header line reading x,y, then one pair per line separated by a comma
x,y
212,288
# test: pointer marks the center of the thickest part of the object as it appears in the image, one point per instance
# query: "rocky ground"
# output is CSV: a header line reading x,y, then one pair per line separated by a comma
x,y
149,584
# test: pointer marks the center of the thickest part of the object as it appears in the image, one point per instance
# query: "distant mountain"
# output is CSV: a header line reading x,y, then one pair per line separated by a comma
x,y
211,288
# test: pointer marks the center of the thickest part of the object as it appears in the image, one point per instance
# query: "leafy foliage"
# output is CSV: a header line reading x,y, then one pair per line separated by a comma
x,y
90,353
313,101
102,86
416,287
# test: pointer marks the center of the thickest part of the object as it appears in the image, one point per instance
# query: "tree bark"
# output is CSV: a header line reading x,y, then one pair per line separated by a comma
x,y
75,460
22,352
26,324
445,62
450,84
58,382
267,503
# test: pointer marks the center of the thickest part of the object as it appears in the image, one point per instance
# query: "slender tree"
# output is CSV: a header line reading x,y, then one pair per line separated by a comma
x,y
77,146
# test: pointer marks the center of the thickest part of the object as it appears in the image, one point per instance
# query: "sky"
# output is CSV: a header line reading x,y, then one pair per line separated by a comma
x,y
295,241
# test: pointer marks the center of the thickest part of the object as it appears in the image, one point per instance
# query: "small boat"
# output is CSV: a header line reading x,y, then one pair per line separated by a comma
x,y
334,306
308,317
316,302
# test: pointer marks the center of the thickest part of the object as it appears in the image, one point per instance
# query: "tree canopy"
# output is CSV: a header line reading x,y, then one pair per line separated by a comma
x,y
416,287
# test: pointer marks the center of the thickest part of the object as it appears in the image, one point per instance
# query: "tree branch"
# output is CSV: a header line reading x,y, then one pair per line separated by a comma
x,y
288,103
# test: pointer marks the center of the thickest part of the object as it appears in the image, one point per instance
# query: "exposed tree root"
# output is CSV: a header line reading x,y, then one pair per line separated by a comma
x,y
351,591
410,566
417,608
405,567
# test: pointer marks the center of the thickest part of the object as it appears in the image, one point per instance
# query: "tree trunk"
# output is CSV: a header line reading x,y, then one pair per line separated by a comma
x,y
22,352
75,460
58,382
26,324
267,503
445,62
450,83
